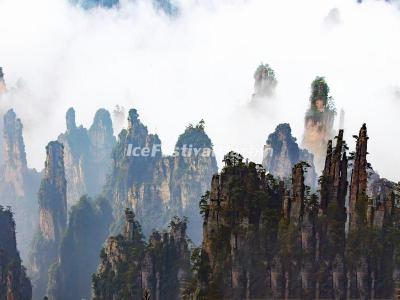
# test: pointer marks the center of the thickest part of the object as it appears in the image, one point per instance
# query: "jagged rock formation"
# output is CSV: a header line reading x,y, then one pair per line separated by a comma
x,y
14,284
372,224
264,83
70,277
319,121
282,152
330,229
130,269
52,218
359,179
18,183
3,88
157,187
264,239
87,154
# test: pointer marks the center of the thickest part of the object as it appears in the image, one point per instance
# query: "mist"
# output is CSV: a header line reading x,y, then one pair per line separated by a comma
x,y
200,64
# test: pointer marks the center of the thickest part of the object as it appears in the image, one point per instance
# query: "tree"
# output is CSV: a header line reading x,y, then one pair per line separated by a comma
x,y
233,159
203,204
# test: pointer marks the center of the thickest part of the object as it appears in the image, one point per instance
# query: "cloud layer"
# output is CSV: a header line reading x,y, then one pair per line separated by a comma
x,y
200,65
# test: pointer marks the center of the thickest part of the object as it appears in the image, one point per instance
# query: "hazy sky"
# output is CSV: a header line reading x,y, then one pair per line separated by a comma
x,y
200,64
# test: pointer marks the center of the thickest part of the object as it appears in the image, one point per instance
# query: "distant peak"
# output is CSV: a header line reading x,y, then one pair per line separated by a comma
x,y
282,129
102,118
70,119
10,114
14,150
133,118
54,159
195,135
264,81
2,83
320,98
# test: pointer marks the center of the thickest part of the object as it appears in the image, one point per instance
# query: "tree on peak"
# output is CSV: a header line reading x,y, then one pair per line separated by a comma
x,y
264,71
195,136
233,159
320,92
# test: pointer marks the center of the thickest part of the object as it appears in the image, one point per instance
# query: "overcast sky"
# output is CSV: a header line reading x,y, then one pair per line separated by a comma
x,y
200,64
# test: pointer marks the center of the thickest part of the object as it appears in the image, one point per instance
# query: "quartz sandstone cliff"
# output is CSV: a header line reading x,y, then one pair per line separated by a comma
x,y
87,154
18,183
52,219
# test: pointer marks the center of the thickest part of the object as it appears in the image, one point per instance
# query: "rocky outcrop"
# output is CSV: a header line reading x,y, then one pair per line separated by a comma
x,y
159,187
14,284
264,83
319,121
130,269
18,183
281,153
52,218
70,277
87,154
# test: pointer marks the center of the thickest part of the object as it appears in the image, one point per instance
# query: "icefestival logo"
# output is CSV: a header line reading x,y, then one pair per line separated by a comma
x,y
184,151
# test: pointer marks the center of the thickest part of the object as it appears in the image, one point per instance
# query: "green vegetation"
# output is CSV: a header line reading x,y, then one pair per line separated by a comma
x,y
195,136
320,91
266,72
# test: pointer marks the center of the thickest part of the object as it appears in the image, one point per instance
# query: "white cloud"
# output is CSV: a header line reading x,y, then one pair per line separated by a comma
x,y
200,65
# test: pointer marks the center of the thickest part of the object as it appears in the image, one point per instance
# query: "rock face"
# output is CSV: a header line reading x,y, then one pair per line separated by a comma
x,y
87,154
319,121
14,284
269,240
129,269
18,183
52,218
264,83
159,187
281,153
70,277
